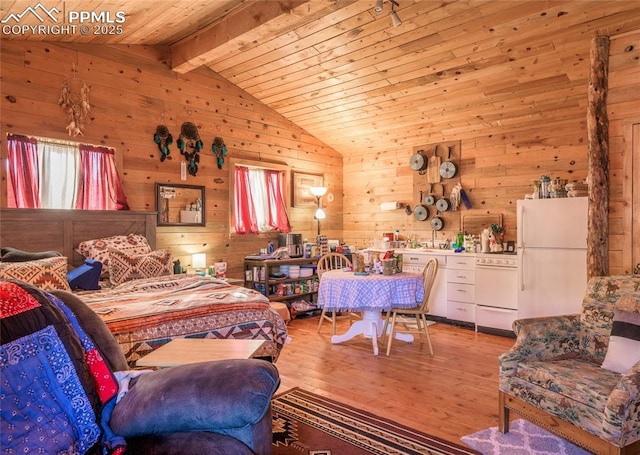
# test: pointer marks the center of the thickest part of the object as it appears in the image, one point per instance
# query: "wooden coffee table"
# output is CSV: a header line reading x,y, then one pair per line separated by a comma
x,y
181,351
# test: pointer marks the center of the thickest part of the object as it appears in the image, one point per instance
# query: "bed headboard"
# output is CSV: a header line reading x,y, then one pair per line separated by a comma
x,y
63,230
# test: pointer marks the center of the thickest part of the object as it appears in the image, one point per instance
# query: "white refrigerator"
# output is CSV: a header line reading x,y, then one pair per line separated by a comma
x,y
552,256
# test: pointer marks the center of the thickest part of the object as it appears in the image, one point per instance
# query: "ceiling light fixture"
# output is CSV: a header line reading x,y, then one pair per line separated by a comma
x,y
395,20
378,8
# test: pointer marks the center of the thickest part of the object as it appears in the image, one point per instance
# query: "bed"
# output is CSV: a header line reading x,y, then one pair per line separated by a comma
x,y
143,314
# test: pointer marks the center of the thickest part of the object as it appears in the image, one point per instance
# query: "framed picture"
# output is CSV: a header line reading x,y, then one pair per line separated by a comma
x,y
300,194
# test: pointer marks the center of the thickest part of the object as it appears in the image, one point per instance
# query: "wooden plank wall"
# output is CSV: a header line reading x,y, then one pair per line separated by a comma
x,y
132,91
624,160
498,166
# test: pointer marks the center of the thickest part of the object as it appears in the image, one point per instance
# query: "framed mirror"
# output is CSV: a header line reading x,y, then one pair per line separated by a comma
x,y
180,205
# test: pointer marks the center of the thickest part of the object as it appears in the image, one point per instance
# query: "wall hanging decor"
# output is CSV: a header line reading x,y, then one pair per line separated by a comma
x,y
74,100
190,145
163,139
220,150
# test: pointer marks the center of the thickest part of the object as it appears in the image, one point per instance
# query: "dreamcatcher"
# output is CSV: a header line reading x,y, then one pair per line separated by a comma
x,y
163,139
220,150
74,100
190,144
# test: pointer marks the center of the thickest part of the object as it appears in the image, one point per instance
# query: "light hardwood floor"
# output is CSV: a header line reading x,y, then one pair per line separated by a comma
x,y
449,395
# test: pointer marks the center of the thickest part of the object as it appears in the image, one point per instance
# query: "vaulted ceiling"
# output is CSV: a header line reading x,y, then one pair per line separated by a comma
x,y
342,71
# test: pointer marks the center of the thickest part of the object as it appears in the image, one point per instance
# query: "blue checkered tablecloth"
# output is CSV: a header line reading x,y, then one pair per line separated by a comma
x,y
345,291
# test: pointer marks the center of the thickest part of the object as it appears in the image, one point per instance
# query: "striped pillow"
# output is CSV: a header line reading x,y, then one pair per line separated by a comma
x,y
124,266
48,274
624,345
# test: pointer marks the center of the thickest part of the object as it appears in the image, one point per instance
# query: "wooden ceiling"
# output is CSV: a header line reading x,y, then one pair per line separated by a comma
x,y
344,73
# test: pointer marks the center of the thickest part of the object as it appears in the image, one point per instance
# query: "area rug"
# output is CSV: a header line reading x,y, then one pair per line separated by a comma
x,y
523,438
306,423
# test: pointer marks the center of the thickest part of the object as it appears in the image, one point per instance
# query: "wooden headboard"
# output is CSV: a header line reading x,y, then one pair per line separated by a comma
x,y
63,230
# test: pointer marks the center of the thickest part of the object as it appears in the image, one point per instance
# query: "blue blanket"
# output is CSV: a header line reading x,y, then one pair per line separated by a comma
x,y
56,388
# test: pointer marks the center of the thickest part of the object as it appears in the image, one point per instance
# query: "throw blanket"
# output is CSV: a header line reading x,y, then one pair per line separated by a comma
x,y
56,387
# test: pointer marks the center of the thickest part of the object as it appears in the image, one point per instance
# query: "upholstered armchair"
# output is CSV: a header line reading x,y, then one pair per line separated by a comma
x,y
579,375
221,407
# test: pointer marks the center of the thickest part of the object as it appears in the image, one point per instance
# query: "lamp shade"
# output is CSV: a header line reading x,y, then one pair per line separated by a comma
x,y
320,215
395,20
318,191
199,261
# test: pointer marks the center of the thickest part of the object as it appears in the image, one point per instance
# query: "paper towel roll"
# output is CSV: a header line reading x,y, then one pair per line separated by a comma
x,y
390,205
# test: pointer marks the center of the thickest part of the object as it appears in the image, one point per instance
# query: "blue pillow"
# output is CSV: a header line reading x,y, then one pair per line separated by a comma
x,y
87,276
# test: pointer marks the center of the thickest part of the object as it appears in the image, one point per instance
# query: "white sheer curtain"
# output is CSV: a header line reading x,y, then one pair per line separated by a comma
x,y
59,176
258,184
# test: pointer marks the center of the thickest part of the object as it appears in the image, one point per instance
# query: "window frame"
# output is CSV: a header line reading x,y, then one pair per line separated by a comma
x,y
256,164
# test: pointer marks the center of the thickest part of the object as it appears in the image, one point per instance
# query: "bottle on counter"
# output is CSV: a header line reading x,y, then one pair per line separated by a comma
x,y
544,186
396,235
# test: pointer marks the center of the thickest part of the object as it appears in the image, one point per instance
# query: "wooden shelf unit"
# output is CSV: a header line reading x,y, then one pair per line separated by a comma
x,y
281,289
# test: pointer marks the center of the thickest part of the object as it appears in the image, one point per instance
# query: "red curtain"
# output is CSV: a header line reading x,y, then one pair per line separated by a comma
x,y
278,218
245,201
245,215
22,185
100,185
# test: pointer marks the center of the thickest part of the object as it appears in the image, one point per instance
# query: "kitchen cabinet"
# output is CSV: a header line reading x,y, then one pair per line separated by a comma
x,y
461,288
259,276
414,261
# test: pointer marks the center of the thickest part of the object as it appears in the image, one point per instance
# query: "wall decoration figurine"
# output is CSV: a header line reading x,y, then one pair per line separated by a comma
x,y
74,100
219,149
190,145
163,139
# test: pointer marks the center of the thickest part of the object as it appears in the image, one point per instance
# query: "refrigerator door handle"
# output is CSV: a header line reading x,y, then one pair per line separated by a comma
x,y
521,227
521,247
521,269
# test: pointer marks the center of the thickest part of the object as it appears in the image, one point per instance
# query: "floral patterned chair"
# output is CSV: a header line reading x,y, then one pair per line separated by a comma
x,y
579,375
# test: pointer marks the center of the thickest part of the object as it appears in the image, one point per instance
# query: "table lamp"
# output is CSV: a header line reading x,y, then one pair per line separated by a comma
x,y
199,262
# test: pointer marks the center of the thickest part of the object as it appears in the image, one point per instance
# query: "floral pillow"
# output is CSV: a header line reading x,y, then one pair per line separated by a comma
x,y
98,249
48,274
124,266
624,344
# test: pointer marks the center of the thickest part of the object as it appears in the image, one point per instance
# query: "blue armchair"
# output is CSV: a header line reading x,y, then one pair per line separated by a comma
x,y
221,407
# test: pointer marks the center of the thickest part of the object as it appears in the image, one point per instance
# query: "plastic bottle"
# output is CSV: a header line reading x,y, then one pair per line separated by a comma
x,y
396,235
270,247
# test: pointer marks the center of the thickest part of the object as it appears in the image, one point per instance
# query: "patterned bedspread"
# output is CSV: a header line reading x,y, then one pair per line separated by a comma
x,y
145,314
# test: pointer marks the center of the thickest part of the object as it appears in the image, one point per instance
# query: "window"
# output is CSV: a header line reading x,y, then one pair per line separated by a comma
x,y
53,174
259,203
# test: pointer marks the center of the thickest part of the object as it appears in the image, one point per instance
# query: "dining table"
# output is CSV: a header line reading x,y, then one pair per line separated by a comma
x,y
370,294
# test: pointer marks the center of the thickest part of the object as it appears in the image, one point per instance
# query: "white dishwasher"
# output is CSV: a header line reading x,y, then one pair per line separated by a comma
x,y
496,292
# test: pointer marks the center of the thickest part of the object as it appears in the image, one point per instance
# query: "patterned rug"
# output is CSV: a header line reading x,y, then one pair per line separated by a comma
x,y
305,423
523,438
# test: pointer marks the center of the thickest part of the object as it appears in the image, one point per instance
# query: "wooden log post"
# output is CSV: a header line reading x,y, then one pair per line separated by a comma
x,y
598,170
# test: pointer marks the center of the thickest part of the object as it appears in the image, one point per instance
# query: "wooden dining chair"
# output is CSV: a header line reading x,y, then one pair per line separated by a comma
x,y
413,320
332,261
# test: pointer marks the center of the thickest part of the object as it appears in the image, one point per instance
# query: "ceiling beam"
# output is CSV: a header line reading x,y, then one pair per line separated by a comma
x,y
256,20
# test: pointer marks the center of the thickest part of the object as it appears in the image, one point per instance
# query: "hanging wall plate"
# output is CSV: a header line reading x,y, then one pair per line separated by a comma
x,y
447,168
442,205
430,199
421,212
418,161
437,223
